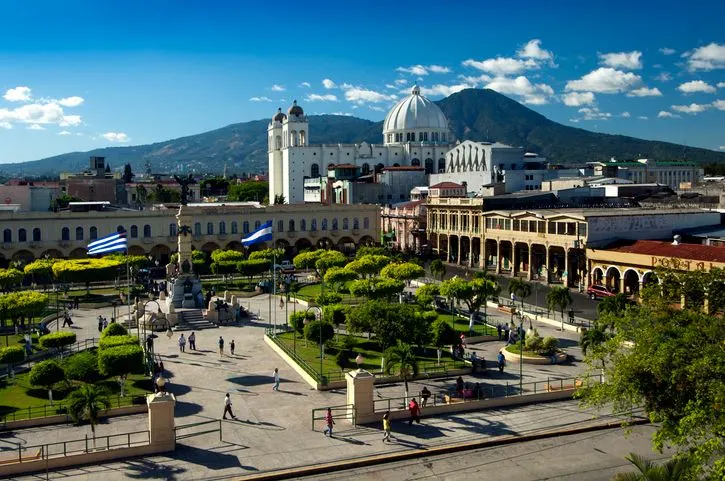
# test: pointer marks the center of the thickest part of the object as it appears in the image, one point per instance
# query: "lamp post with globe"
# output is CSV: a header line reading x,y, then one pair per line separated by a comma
x,y
318,317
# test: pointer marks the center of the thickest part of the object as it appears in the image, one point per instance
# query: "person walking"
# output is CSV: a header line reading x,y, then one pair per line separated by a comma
x,y
281,303
499,329
182,343
228,407
192,341
329,421
501,361
386,426
424,395
100,323
276,380
105,323
414,410
231,347
221,346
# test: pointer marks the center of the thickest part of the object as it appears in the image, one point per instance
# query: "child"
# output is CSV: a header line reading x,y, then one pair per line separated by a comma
x,y
386,426
231,347
329,421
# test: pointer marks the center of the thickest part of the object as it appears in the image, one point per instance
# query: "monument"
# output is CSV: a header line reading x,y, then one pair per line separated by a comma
x,y
185,285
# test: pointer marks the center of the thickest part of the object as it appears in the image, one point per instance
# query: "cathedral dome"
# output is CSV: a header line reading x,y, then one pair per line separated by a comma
x,y
296,110
279,116
414,113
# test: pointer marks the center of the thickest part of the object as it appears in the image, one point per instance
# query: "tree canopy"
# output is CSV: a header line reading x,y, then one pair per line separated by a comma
x,y
368,265
336,277
320,260
10,277
403,271
248,191
23,303
426,294
473,293
86,270
376,288
389,323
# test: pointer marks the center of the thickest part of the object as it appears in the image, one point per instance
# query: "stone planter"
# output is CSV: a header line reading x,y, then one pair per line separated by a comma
x,y
557,358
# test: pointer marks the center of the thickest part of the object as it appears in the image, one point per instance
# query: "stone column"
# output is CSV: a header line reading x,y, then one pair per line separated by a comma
x,y
482,258
458,257
622,286
360,387
566,266
183,218
470,251
528,274
706,303
513,259
548,265
498,257
161,421
448,248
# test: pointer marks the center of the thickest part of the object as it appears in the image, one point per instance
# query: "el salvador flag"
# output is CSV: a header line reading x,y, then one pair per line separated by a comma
x,y
263,234
112,243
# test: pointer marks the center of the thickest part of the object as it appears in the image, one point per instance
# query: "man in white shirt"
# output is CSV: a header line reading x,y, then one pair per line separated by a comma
x,y
228,407
276,380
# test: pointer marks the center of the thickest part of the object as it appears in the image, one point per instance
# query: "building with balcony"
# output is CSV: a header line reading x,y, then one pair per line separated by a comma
x,y
649,171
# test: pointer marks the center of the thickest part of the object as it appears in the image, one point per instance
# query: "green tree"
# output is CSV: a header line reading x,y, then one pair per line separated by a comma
x,y
114,329
121,361
442,334
279,199
369,250
402,361
249,191
614,305
676,469
314,329
592,340
403,271
87,270
62,201
521,289
82,366
438,268
670,363
379,288
127,174
267,254
369,265
388,323
328,260
327,298
558,299
86,403
214,186
221,255
57,340
10,277
473,293
117,340
252,268
297,320
47,374
41,270
426,294
142,195
337,277
10,356
22,304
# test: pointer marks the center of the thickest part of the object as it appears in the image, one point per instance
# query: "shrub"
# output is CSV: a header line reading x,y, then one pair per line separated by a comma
x,y
533,342
328,298
82,366
342,359
57,340
113,341
119,360
12,355
335,314
297,320
46,374
314,329
114,329
442,334
549,345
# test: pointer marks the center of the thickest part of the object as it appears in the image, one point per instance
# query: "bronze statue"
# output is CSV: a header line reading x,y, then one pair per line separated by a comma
x,y
184,183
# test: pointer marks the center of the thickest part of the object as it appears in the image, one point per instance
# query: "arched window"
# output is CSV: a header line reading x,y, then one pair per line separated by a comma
x,y
64,234
355,223
345,224
303,225
365,168
134,231
222,227
280,226
120,228
36,234
245,227
429,166
197,228
366,223
209,228
147,230
441,165
278,142
235,227
257,225
324,224
79,233
334,223
314,170
303,137
8,235
313,225
172,229
291,227
22,235
415,163
94,233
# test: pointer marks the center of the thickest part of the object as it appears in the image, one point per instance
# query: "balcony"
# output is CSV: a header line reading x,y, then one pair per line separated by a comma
x,y
7,245
148,240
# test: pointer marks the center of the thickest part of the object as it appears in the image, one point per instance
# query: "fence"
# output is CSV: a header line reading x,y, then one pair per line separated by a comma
x,y
61,408
215,422
317,376
477,393
78,446
344,411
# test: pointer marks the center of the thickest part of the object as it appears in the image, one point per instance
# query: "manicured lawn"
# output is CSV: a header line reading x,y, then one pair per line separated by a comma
x,y
310,353
461,325
311,291
19,340
516,349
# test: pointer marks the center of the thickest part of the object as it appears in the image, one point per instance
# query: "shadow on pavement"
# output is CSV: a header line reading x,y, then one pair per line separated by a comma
x,y
178,389
186,409
292,392
420,431
256,380
143,469
480,426
354,441
261,425
207,458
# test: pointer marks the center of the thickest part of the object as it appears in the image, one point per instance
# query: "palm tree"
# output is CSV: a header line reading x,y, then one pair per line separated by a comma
x,y
86,403
437,268
559,299
521,289
673,470
593,338
401,360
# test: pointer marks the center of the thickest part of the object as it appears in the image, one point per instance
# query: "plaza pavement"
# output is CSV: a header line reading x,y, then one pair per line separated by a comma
x,y
274,428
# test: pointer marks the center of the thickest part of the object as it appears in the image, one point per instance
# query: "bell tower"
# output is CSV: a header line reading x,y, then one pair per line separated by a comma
x,y
274,149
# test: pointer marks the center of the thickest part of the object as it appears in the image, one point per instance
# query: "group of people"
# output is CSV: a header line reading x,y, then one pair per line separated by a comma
x,y
103,322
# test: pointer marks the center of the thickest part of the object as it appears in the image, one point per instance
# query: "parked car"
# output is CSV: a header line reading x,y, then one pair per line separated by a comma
x,y
599,292
285,267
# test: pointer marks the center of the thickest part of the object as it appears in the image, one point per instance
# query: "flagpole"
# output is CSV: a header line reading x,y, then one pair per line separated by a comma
x,y
128,281
274,278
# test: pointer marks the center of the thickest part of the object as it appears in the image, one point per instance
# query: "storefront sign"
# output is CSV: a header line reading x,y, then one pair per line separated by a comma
x,y
680,264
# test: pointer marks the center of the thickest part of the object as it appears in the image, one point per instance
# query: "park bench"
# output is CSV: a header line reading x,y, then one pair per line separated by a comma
x,y
11,457
562,387
507,309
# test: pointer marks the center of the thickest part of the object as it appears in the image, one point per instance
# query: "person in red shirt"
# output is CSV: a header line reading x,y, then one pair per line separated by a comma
x,y
329,421
414,410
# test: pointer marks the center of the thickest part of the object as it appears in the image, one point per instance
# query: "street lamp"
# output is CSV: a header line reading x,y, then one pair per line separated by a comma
x,y
318,318
521,353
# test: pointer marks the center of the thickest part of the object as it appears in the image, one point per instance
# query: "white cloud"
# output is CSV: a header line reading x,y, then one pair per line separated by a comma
x,y
305,85
116,137
35,127
696,86
536,94
17,94
277,88
500,66
423,69
664,77
667,51
533,50
376,108
5,125
260,99
593,113
722,147
74,101
346,114
321,98
401,81
645,92
46,113
444,90
70,121
438,69
663,114
692,109
64,132
709,57
390,86
721,85
626,60
577,99
328,84
625,115
361,95
604,80
643,117
719,104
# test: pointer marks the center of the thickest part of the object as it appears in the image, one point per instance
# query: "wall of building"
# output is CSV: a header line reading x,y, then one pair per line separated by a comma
x,y
644,225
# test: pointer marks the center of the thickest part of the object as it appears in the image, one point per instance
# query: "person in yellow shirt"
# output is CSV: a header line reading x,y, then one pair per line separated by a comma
x,y
386,426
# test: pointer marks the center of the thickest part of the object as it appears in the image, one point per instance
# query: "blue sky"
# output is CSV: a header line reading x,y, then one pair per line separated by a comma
x,y
79,75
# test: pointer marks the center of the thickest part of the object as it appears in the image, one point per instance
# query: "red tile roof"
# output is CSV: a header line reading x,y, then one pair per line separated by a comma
x,y
698,252
446,185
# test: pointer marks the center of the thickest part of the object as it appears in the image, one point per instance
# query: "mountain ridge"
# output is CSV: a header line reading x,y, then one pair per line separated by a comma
x,y
473,114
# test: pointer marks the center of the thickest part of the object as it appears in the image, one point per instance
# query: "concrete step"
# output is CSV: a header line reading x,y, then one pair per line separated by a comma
x,y
192,320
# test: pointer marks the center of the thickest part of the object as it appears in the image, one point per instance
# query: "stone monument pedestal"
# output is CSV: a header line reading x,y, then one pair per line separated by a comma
x,y
185,292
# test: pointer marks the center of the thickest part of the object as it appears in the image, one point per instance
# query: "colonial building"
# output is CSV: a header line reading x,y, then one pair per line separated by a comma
x,y
676,174
404,224
154,231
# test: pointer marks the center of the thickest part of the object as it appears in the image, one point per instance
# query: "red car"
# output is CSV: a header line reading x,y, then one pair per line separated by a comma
x,y
599,292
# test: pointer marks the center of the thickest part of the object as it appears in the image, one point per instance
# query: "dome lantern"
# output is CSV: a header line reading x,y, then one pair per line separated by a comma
x,y
279,116
295,110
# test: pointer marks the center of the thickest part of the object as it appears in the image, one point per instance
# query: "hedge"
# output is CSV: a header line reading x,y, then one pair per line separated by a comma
x,y
119,360
114,329
46,374
12,355
113,341
57,340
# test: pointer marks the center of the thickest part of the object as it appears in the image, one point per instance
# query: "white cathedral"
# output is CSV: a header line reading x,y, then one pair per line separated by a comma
x,y
415,133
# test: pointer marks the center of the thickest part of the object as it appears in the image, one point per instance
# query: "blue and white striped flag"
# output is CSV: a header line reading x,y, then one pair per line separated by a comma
x,y
112,243
263,234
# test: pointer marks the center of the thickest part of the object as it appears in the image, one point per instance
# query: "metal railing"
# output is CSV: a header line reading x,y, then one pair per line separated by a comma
x,y
317,376
78,446
215,422
61,408
54,353
343,411
475,392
